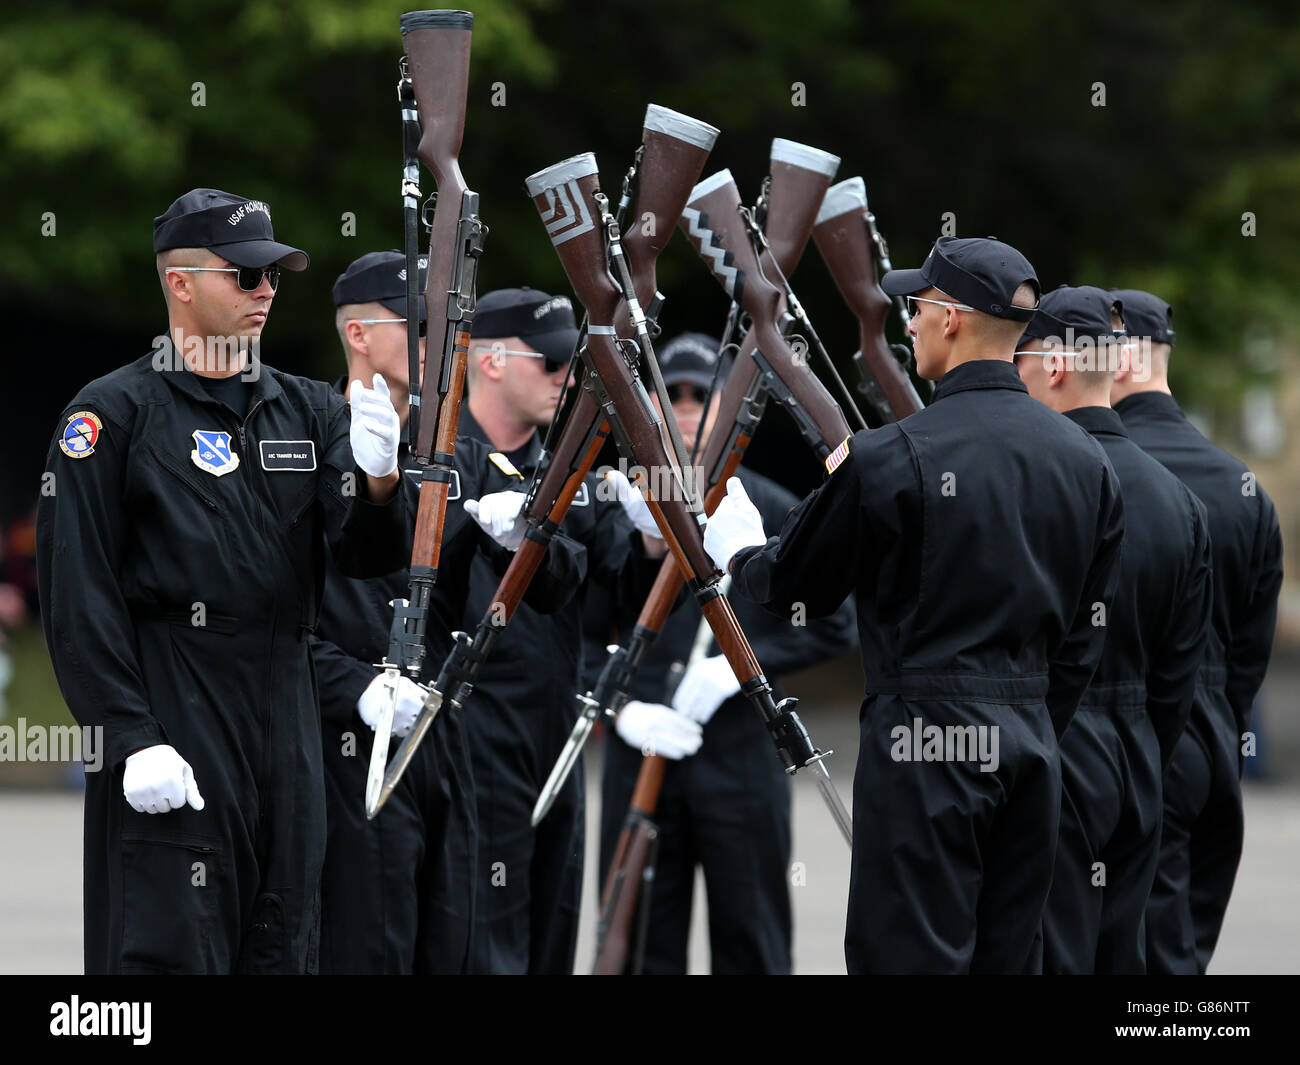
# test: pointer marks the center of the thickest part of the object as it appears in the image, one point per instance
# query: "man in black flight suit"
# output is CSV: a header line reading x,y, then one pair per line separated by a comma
x,y
1136,707
981,535
397,892
522,708
180,561
1200,843
727,807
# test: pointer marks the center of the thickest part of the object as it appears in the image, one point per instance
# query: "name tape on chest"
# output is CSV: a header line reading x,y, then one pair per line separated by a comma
x,y
278,455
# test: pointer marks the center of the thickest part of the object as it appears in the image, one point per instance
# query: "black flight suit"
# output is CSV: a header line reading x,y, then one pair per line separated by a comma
x,y
519,717
978,534
1131,716
1200,843
727,807
177,606
397,892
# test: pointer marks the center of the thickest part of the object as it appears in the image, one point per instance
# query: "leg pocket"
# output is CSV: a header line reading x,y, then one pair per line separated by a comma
x,y
171,905
263,949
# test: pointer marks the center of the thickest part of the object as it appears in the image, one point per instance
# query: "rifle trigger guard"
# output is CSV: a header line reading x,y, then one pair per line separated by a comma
x,y
430,205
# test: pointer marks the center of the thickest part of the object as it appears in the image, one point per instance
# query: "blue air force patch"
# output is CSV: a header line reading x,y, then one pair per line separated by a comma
x,y
80,435
212,452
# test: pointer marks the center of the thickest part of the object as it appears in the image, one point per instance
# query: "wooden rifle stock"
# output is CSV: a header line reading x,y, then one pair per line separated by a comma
x,y
845,237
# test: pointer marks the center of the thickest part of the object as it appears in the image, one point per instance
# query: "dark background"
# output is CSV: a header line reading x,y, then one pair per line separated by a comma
x,y
984,110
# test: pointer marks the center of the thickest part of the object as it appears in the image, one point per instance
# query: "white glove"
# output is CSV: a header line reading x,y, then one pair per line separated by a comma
x,y
634,504
157,779
410,698
706,686
501,516
735,525
375,428
653,728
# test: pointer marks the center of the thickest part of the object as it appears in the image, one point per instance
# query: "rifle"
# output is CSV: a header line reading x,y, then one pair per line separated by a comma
x,y
798,181
674,148
851,245
435,78
793,196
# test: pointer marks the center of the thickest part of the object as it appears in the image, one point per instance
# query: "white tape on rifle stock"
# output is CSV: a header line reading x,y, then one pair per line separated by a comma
x,y
571,169
850,195
683,127
714,181
804,155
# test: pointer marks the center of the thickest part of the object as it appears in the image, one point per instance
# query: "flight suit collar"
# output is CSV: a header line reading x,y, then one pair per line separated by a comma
x,y
525,458
1149,403
979,373
1097,420
175,373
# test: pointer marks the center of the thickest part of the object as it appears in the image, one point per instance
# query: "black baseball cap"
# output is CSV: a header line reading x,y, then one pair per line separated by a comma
x,y
235,227
1079,311
544,322
379,277
691,357
981,272
1146,317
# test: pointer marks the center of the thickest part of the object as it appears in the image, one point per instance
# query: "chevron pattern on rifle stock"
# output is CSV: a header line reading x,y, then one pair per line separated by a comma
x,y
704,239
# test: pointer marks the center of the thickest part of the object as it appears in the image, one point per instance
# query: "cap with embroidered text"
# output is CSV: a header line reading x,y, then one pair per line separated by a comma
x,y
379,277
234,227
981,272
543,322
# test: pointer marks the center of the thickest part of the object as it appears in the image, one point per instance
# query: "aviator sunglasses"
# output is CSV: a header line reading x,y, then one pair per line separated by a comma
x,y
249,278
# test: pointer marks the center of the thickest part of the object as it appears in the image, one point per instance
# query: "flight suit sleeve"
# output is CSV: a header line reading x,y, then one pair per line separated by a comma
x,y
341,679
1254,616
815,559
800,642
1174,661
367,539
1071,668
81,531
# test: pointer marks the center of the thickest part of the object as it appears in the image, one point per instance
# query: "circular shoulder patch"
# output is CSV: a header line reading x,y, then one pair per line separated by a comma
x,y
81,434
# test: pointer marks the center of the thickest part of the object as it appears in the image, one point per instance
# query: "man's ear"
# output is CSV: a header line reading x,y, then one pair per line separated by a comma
x,y
356,336
953,322
1123,365
180,285
491,360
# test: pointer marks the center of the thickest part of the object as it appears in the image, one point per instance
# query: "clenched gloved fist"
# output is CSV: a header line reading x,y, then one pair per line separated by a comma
x,y
634,504
157,779
500,515
707,685
410,698
653,728
735,525
376,428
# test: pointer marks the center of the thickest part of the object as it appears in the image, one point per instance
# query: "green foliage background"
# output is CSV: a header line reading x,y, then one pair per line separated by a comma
x,y
985,110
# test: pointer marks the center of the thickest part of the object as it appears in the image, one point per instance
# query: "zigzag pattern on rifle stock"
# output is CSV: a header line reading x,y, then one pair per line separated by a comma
x,y
733,279
562,222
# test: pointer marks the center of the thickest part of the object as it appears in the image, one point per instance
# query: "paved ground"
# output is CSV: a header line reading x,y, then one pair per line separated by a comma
x,y
40,906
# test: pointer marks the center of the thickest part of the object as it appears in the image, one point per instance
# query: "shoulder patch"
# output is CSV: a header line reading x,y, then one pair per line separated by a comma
x,y
504,465
81,434
838,455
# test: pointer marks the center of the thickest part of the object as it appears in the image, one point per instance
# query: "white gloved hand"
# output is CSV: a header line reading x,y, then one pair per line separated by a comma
x,y
634,504
410,698
735,525
706,686
500,515
653,728
376,428
157,779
